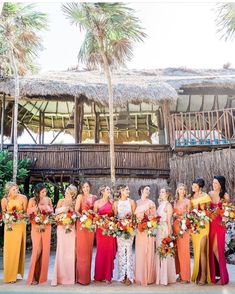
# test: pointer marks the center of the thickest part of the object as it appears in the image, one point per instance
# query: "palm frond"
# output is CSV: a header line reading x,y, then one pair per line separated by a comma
x,y
225,20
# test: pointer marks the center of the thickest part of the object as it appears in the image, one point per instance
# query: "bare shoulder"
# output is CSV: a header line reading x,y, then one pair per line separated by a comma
x,y
4,200
151,202
32,200
79,197
22,196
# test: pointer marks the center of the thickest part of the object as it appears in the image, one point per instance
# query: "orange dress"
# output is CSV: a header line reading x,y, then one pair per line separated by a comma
x,y
39,264
14,246
182,259
85,240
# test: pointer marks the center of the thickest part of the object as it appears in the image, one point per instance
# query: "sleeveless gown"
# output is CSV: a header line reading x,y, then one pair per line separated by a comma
x,y
14,246
124,247
145,268
182,258
84,247
196,240
64,269
105,249
218,231
165,267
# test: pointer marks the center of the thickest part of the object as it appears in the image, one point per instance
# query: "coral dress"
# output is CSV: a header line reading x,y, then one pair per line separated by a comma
x,y
105,249
182,259
196,239
38,269
14,246
145,268
217,231
64,269
165,267
85,240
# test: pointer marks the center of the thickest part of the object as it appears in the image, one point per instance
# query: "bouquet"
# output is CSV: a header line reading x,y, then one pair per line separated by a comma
x,y
88,220
67,219
184,222
198,219
148,225
126,227
167,247
108,224
42,218
12,217
226,211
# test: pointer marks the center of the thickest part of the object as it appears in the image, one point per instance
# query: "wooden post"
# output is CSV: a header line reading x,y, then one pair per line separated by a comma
x,y
12,124
56,195
78,120
40,127
97,125
3,119
43,127
166,113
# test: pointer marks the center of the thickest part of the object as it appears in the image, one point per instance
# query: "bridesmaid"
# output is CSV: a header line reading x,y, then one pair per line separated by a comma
x,y
217,233
64,269
165,267
105,245
39,262
201,269
15,240
85,239
123,206
145,271
182,204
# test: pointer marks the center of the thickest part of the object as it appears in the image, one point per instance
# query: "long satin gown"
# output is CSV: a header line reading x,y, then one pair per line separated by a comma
x,y
84,247
145,268
217,231
196,239
64,269
38,269
105,249
165,267
14,246
182,259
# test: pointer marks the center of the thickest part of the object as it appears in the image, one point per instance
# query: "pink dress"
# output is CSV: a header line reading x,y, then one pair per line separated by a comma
x,y
106,249
145,268
64,269
165,267
217,231
85,240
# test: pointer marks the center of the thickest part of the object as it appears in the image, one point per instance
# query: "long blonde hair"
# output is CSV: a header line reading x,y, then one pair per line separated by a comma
x,y
177,191
7,188
74,192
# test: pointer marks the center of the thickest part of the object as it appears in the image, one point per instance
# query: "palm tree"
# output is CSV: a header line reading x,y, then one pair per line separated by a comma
x,y
225,20
111,31
19,44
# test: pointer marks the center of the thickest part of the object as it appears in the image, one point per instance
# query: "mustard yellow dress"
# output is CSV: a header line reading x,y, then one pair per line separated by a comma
x,y
196,239
14,246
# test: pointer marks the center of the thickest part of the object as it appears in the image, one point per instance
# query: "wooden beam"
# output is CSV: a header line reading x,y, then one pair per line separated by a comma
x,y
78,120
97,125
166,115
3,119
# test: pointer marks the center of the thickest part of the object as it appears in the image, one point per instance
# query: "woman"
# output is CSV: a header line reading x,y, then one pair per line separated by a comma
x,y
85,239
145,271
14,239
105,245
122,207
165,267
182,205
64,270
217,233
201,269
40,238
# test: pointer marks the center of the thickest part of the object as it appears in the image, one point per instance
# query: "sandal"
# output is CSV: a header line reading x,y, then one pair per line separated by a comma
x,y
201,283
128,282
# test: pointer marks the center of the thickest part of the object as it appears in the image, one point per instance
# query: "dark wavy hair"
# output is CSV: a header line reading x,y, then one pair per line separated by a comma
x,y
200,182
118,191
82,184
36,191
222,181
141,189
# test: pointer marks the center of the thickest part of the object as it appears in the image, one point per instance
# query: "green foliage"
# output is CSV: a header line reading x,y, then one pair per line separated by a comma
x,y
6,169
225,20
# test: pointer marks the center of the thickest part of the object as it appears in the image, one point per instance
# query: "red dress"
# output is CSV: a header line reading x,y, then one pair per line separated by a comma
x,y
106,250
85,240
217,231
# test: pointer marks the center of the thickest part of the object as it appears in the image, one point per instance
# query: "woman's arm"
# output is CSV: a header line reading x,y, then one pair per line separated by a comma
x,y
78,203
32,207
115,208
169,211
96,206
133,206
4,204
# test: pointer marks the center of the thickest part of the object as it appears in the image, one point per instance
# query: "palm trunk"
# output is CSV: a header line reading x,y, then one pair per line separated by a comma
x,y
111,126
17,94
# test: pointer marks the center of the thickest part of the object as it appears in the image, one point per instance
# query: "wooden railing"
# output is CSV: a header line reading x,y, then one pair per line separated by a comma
x,y
93,159
202,128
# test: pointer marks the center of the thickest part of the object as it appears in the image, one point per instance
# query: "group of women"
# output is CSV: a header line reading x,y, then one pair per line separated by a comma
x,y
75,249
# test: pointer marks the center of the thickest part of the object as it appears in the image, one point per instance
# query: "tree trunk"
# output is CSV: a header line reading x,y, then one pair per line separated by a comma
x,y
1,7
17,94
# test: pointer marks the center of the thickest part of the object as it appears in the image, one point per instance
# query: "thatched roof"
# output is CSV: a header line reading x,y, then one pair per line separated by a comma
x,y
127,87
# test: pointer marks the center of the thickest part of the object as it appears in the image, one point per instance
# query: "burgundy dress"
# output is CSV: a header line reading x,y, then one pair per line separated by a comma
x,y
217,231
106,250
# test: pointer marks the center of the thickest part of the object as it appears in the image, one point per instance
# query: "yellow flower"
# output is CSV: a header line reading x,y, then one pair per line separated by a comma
x,y
88,223
66,221
130,230
232,214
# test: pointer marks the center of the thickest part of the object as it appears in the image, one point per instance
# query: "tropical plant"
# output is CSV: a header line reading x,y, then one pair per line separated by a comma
x,y
19,44
225,20
111,31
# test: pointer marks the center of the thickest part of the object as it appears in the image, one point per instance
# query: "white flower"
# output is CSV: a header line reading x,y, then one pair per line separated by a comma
x,y
74,216
149,224
37,219
83,218
7,216
226,213
183,227
46,221
171,244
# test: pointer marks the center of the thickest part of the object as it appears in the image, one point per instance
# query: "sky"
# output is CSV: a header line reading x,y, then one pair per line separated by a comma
x,y
179,35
